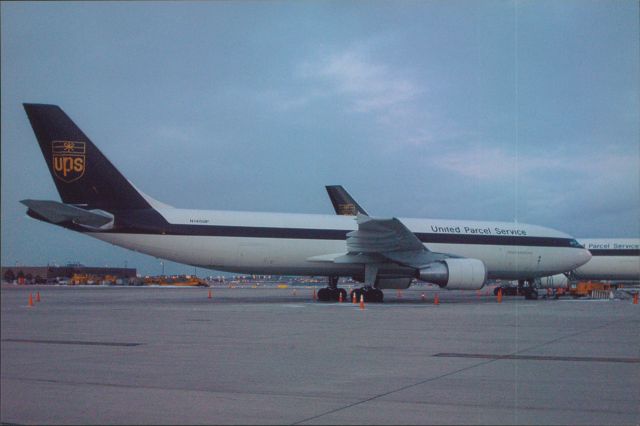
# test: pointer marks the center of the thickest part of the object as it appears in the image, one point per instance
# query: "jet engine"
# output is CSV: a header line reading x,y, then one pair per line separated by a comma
x,y
393,283
455,274
554,281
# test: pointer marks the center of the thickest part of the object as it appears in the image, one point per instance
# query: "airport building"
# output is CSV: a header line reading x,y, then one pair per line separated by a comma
x,y
53,274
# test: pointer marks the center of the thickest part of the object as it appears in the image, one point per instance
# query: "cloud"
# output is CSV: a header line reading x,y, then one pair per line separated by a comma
x,y
477,162
484,161
173,134
282,101
367,85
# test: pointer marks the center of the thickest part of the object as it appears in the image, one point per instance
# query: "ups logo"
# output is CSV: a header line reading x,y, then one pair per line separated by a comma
x,y
347,210
68,160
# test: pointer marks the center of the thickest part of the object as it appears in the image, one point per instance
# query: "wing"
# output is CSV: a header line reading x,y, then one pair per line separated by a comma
x,y
382,241
392,240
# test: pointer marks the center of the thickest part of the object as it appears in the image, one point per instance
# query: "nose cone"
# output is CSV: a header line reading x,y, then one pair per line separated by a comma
x,y
582,257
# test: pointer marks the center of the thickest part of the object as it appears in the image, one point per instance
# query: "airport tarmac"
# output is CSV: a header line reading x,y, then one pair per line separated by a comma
x,y
129,355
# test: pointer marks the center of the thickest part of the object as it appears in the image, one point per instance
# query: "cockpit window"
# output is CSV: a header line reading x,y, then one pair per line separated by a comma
x,y
576,244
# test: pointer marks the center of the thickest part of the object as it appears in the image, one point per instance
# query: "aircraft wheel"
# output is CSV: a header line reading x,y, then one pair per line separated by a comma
x,y
366,294
372,295
334,294
324,295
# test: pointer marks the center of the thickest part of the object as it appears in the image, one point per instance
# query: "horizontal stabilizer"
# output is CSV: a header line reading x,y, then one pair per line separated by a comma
x,y
57,212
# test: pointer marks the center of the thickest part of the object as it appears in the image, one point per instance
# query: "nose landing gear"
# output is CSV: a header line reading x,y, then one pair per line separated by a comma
x,y
530,292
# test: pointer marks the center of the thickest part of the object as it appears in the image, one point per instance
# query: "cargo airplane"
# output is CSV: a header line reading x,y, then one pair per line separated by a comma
x,y
383,253
613,259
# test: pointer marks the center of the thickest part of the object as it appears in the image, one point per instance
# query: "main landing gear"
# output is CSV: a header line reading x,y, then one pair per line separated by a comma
x,y
371,294
332,292
526,288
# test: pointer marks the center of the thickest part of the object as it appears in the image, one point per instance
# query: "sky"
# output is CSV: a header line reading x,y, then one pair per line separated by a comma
x,y
523,111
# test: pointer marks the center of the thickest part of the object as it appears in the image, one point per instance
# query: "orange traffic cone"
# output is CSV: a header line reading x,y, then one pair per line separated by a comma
x,y
315,297
499,295
362,301
210,294
353,298
38,296
635,299
30,300
436,300
340,297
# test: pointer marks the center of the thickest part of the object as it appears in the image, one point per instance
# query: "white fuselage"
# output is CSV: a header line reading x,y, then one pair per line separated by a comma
x,y
613,259
244,253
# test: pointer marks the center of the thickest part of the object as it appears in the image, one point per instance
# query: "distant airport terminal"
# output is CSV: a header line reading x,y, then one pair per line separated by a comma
x,y
78,274
56,274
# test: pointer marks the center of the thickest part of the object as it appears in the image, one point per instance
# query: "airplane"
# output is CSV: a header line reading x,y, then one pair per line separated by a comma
x,y
382,253
613,259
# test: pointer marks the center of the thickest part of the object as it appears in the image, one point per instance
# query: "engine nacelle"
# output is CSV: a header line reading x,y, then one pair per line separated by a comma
x,y
455,274
393,283
554,281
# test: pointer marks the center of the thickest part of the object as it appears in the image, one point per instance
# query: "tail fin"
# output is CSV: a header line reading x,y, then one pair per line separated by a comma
x,y
82,174
343,203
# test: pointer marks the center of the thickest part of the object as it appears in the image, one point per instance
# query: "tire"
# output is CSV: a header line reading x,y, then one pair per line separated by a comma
x,y
323,295
334,293
372,295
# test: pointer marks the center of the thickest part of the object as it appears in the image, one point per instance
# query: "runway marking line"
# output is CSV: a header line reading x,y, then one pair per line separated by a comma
x,y
71,342
540,357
